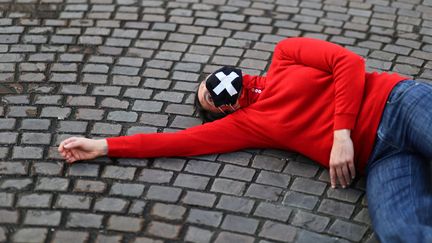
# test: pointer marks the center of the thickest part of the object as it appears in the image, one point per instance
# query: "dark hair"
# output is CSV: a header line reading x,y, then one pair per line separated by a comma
x,y
205,115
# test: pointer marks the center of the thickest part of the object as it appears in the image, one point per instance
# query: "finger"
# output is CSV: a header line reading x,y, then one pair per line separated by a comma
x,y
70,140
70,159
65,142
73,144
76,155
63,154
346,174
69,154
340,177
332,177
61,146
352,169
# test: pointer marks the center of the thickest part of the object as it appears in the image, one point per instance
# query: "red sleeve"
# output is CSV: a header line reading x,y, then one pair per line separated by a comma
x,y
347,68
220,136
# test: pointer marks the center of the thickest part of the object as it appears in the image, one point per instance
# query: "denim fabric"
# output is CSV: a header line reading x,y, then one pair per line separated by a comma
x,y
398,176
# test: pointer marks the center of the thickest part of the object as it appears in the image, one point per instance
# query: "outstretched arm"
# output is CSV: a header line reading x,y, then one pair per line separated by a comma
x,y
224,135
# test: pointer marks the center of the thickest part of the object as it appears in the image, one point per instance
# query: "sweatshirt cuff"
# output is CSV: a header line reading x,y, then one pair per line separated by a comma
x,y
115,147
344,121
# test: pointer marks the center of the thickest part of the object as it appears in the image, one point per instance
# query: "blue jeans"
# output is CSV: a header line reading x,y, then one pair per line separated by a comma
x,y
398,172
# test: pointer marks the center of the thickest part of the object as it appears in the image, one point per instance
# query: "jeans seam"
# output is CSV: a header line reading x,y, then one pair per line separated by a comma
x,y
384,140
427,85
402,94
411,191
373,161
410,118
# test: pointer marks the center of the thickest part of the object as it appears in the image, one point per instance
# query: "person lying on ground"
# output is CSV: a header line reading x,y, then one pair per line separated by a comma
x,y
317,100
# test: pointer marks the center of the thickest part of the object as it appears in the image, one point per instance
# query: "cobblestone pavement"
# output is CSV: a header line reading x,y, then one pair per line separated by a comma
x,y
103,68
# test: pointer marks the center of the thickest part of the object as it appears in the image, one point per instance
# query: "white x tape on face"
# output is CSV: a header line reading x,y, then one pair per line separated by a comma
x,y
225,83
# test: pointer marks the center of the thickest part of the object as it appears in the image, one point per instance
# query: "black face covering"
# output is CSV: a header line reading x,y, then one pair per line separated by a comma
x,y
225,85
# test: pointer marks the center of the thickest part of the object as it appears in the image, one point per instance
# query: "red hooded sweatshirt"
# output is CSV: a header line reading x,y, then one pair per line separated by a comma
x,y
312,88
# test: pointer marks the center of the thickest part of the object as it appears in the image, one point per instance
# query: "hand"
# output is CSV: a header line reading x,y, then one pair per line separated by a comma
x,y
342,159
76,148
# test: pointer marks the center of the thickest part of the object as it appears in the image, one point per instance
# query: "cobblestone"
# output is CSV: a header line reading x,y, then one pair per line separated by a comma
x,y
363,217
240,224
51,184
348,195
108,238
8,138
273,179
310,221
235,204
70,236
84,170
301,169
127,224
147,106
154,119
166,194
89,186
34,200
19,168
155,176
202,167
8,216
272,211
3,153
36,138
44,168
116,172
27,153
73,202
263,192
127,189
308,186
175,164
7,199
228,186
84,220
199,199
108,204
268,163
191,181
277,231
195,234
307,236
232,237
168,211
48,218
300,200
347,230
332,207
30,235
204,217
164,230
2,234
